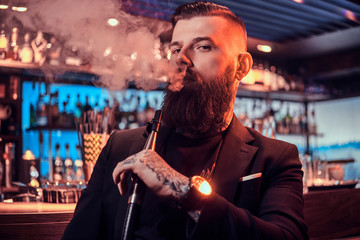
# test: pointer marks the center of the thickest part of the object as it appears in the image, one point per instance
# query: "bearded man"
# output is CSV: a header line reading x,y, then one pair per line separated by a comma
x,y
256,182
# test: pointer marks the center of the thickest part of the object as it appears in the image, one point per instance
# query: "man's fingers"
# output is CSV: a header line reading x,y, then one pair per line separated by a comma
x,y
123,187
116,173
126,165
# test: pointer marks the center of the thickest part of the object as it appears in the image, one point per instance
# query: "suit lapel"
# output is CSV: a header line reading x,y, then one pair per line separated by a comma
x,y
234,159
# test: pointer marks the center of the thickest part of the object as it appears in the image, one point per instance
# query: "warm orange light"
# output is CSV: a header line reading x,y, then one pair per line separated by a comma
x,y
350,15
34,183
299,1
264,48
249,78
28,155
205,188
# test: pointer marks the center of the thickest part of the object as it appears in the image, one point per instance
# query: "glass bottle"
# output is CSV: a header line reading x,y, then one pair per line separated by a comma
x,y
14,47
79,170
87,106
69,171
32,116
78,107
41,112
13,87
287,122
3,42
26,53
54,108
54,51
58,165
39,47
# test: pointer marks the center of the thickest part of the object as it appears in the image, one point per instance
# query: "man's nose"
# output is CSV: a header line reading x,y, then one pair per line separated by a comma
x,y
183,60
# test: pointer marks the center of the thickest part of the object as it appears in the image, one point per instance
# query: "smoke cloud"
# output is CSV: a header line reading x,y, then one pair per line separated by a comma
x,y
129,51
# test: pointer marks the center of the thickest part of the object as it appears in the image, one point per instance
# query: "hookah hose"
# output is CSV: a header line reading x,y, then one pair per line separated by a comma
x,y
138,187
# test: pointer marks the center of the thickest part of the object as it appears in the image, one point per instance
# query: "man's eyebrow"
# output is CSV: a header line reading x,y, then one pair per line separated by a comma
x,y
199,39
195,40
174,43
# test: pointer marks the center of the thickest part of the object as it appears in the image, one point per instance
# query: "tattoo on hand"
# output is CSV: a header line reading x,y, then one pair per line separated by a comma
x,y
165,174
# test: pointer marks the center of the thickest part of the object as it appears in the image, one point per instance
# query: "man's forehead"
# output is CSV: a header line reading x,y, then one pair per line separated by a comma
x,y
202,26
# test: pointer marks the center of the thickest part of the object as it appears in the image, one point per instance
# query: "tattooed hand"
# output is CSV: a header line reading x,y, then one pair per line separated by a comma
x,y
154,172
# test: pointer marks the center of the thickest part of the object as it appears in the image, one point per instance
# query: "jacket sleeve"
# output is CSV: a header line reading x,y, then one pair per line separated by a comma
x,y
88,215
279,214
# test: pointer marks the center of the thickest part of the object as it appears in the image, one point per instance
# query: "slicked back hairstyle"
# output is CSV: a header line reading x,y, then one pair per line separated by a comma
x,y
202,8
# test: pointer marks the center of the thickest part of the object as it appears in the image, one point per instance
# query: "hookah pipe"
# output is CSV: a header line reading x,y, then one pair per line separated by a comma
x,y
138,187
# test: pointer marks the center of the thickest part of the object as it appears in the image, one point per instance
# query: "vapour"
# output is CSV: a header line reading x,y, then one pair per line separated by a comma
x,y
129,51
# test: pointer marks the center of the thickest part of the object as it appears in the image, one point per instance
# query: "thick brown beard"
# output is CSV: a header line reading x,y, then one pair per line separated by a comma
x,y
198,106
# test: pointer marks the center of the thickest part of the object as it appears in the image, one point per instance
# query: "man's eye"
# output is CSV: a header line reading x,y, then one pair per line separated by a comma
x,y
176,50
204,47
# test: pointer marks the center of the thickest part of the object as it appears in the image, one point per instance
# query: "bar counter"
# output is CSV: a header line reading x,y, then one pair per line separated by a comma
x,y
34,220
329,214
332,214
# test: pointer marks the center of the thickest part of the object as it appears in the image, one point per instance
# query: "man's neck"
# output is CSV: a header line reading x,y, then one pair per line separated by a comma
x,y
209,130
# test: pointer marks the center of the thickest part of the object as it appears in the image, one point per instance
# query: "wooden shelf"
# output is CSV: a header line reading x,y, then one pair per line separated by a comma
x,y
10,101
259,91
301,134
54,127
10,138
79,75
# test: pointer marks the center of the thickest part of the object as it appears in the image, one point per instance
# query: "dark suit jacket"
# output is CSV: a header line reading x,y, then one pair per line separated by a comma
x,y
269,207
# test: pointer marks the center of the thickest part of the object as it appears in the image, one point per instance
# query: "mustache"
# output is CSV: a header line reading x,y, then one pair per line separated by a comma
x,y
191,76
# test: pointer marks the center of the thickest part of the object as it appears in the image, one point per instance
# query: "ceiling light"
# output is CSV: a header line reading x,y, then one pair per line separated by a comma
x,y
350,15
299,1
19,9
264,48
3,6
113,22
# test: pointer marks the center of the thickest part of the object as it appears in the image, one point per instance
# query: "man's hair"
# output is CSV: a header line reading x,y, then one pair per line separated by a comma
x,y
201,9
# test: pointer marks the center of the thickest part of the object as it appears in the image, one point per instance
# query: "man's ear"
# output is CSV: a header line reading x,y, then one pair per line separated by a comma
x,y
244,65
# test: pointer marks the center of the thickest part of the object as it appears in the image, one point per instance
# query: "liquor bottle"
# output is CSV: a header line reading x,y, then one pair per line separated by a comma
x,y
26,53
14,47
272,128
41,112
54,107
295,124
32,116
79,170
43,161
39,47
247,120
78,107
54,51
312,123
87,106
69,171
3,42
63,119
58,165
8,158
287,122
72,57
13,87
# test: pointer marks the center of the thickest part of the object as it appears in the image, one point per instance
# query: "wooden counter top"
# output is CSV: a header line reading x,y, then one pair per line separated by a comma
x,y
34,220
331,214
35,207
